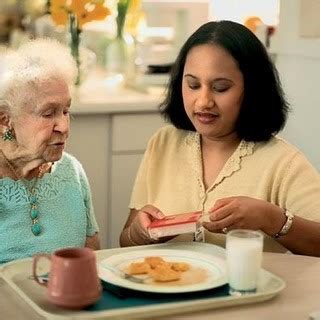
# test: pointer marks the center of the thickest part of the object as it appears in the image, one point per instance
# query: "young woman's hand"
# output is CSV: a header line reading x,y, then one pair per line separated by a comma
x,y
244,213
138,229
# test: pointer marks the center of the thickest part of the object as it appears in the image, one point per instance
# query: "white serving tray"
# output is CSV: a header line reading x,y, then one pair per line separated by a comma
x,y
17,275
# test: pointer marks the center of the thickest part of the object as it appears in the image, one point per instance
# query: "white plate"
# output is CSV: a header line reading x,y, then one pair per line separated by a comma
x,y
214,269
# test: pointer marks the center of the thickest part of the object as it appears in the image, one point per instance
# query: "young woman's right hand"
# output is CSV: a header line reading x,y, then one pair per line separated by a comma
x,y
141,219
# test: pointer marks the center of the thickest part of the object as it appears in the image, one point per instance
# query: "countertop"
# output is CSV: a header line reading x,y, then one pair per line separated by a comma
x,y
97,96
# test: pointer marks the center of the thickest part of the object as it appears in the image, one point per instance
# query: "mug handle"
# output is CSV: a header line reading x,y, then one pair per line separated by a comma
x,y
35,261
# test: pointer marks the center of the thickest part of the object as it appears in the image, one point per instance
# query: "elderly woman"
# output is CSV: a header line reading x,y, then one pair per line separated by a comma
x,y
45,200
221,154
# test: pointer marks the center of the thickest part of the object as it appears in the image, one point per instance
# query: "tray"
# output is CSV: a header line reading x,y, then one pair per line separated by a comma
x,y
119,303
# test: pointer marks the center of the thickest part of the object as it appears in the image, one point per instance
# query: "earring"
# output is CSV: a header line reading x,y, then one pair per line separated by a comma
x,y
8,135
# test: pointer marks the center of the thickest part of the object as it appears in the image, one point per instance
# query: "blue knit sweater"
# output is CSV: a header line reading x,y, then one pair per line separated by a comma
x,y
65,212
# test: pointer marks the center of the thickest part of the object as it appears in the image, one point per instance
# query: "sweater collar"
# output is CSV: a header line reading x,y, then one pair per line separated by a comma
x,y
233,164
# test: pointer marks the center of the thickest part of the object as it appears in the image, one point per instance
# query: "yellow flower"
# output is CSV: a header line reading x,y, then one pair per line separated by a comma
x,y
89,10
84,11
59,11
134,6
134,16
78,7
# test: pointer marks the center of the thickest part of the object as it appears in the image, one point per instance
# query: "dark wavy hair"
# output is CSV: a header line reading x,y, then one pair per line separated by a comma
x,y
264,108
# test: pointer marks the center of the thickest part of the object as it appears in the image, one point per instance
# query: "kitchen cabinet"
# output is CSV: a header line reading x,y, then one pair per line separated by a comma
x,y
130,135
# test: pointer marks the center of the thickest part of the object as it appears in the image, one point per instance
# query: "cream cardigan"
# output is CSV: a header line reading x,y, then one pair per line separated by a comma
x,y
170,178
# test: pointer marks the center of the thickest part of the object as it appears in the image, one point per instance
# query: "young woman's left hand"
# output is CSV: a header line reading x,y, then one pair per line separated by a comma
x,y
244,213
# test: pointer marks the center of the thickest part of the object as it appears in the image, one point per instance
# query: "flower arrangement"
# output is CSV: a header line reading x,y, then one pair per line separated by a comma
x,y
120,51
75,14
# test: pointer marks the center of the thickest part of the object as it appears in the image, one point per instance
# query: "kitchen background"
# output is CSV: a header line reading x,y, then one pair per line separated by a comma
x,y
126,53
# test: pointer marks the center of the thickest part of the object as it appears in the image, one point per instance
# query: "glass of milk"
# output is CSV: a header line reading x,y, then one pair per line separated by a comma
x,y
244,255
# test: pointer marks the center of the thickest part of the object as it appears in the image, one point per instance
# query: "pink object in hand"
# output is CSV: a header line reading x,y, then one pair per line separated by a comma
x,y
175,224
73,280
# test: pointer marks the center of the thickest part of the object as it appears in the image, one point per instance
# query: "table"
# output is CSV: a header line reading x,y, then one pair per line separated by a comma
x,y
300,297
295,302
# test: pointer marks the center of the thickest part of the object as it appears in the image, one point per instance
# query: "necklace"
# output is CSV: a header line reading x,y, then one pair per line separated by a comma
x,y
36,228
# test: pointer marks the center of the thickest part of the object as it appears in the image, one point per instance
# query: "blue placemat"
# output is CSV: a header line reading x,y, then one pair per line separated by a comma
x,y
114,297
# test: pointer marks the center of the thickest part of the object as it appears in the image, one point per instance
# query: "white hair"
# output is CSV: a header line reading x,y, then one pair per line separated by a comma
x,y
36,61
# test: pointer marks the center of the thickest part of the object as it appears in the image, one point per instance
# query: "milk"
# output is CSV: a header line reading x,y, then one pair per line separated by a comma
x,y
244,256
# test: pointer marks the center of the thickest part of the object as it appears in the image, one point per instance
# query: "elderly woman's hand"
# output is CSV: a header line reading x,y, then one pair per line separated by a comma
x,y
138,230
244,213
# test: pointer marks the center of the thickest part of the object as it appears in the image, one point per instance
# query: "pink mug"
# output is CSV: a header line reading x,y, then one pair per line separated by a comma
x,y
73,279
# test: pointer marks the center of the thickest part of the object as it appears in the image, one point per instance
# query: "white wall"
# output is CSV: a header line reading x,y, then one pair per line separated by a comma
x,y
301,83
240,10
298,62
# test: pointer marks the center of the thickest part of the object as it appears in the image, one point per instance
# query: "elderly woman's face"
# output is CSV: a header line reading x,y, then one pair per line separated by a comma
x,y
42,127
212,90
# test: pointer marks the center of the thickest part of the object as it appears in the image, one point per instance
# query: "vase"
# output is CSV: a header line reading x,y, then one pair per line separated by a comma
x,y
119,59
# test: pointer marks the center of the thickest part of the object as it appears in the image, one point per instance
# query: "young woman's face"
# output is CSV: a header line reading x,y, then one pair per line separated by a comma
x,y
41,129
212,90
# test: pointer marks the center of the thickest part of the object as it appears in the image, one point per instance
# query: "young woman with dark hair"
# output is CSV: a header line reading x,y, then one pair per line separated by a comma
x,y
221,155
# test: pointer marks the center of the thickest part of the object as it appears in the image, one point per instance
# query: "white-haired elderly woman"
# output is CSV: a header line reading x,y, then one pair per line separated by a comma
x,y
45,200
